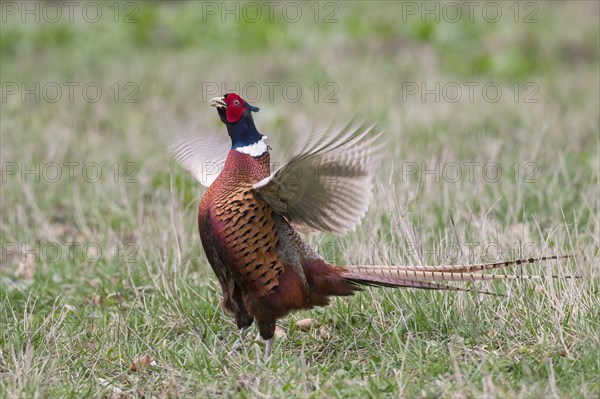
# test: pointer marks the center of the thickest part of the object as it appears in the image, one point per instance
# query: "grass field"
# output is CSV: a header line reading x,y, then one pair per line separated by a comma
x,y
492,125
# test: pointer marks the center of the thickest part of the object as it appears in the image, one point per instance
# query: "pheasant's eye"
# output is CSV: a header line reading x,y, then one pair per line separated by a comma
x,y
236,102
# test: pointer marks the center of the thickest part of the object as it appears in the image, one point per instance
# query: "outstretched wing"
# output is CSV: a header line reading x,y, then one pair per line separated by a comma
x,y
327,184
204,157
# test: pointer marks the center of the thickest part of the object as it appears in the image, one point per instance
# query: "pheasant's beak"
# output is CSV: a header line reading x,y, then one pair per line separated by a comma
x,y
218,102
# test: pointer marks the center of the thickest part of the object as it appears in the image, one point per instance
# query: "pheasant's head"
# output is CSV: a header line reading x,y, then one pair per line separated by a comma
x,y
236,114
232,108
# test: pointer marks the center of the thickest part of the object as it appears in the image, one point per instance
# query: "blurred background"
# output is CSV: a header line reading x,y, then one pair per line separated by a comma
x,y
456,87
447,81
490,111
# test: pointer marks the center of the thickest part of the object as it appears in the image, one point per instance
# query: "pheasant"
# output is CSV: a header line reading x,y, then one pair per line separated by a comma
x,y
249,217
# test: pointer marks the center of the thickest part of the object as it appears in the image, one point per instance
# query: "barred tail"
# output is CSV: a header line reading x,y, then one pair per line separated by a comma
x,y
427,277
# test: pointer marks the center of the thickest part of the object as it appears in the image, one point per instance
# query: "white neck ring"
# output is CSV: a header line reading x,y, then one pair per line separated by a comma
x,y
257,149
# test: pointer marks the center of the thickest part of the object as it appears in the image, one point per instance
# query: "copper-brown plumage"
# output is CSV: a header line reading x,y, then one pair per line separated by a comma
x,y
248,216
263,275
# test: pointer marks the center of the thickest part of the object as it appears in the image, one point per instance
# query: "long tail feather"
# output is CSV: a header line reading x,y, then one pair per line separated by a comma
x,y
425,277
380,281
464,268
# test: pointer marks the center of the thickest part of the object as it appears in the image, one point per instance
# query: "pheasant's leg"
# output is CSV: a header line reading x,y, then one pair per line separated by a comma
x,y
269,348
238,342
267,331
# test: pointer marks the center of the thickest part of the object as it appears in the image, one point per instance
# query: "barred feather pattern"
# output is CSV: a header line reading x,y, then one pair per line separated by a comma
x,y
427,276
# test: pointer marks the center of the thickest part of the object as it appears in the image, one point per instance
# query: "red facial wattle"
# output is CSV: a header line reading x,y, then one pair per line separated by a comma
x,y
234,114
236,107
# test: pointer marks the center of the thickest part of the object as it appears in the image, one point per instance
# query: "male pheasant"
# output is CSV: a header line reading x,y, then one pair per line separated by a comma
x,y
249,216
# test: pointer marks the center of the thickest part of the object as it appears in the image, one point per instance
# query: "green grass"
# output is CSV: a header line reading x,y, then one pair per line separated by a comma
x,y
71,326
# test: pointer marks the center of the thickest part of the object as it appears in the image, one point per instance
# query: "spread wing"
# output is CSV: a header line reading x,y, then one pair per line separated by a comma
x,y
204,156
327,184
